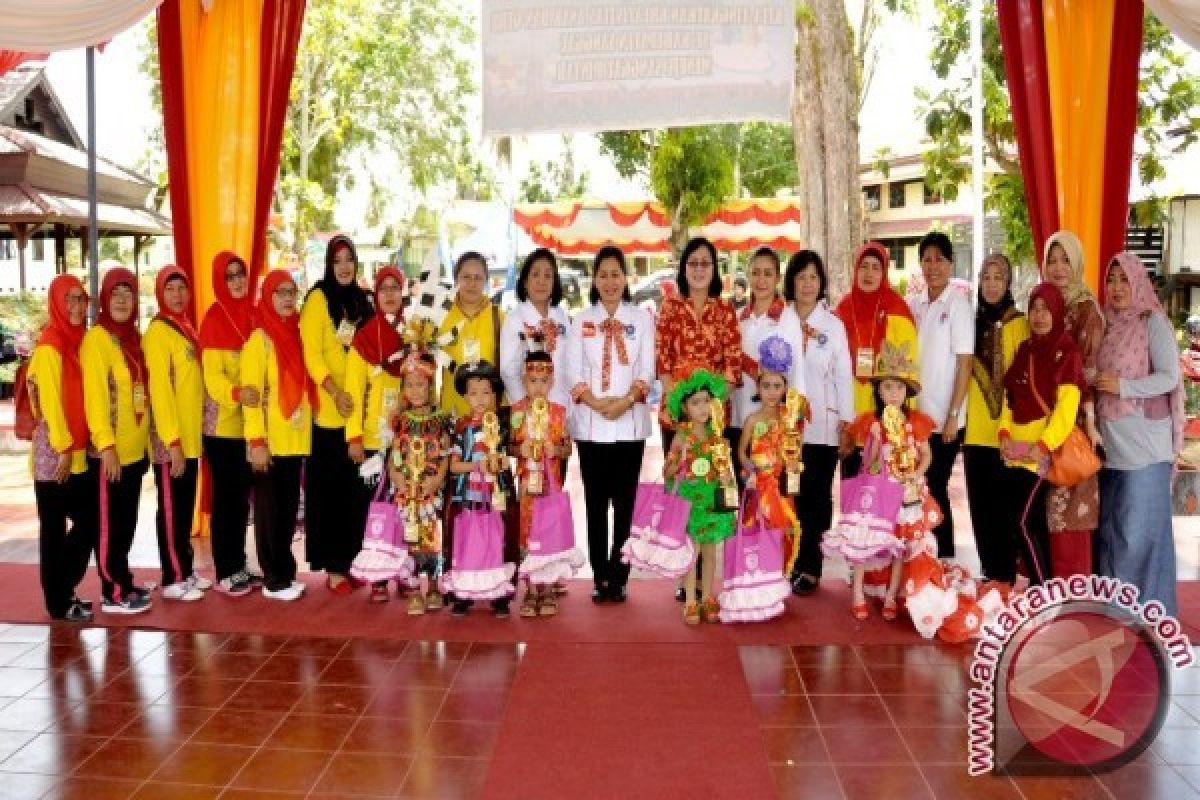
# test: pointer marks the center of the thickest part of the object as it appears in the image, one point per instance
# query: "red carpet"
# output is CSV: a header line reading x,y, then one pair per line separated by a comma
x,y
648,721
651,615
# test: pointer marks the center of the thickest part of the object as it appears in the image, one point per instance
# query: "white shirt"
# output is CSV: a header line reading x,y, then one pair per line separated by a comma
x,y
945,330
757,328
828,374
513,347
585,366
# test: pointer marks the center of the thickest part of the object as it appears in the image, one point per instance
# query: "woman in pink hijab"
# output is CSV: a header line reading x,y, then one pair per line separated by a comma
x,y
1139,409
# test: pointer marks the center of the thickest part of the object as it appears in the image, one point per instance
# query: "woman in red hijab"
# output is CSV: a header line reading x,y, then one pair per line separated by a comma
x,y
278,417
227,325
177,401
117,403
873,313
1042,392
63,485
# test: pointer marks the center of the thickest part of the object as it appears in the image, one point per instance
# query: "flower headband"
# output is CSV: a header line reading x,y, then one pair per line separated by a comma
x,y
701,380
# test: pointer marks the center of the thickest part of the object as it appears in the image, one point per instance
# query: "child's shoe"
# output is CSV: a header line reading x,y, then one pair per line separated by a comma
x,y
434,601
379,592
500,607
459,608
710,610
691,614
529,604
416,604
548,605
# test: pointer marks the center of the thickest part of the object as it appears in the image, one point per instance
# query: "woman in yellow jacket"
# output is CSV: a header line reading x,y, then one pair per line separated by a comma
x,y
1042,392
478,322
118,415
226,327
63,483
278,417
999,330
177,406
334,512
373,368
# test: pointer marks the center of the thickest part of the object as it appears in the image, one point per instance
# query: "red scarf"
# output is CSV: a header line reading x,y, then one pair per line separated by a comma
x,y
181,321
284,333
126,333
228,322
1043,362
379,339
64,337
865,314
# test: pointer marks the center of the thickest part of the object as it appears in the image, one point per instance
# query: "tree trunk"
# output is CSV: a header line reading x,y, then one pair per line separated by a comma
x,y
826,113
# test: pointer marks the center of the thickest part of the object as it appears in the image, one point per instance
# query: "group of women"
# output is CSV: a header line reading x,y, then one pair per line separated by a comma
x,y
267,390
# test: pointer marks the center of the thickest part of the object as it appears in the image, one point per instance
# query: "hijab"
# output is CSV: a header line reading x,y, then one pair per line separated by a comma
x,y
1125,350
988,367
229,321
1073,248
64,337
345,302
1044,362
181,321
284,333
128,337
865,314
380,339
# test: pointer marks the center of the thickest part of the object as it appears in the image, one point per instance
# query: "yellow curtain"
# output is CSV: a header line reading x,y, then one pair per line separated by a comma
x,y
1078,51
221,96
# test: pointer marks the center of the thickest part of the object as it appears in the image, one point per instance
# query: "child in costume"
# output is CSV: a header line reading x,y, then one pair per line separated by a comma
x,y
697,467
539,434
417,465
481,560
769,444
895,441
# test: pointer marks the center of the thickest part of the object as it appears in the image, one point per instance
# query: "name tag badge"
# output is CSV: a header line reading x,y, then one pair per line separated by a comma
x,y
629,331
389,400
139,398
864,362
345,333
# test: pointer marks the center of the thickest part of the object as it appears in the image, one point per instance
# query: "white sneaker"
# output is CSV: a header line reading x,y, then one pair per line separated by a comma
x,y
287,595
135,604
198,581
182,591
299,587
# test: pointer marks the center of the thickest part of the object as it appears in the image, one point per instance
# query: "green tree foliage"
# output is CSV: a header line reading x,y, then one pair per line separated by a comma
x,y
1168,96
554,180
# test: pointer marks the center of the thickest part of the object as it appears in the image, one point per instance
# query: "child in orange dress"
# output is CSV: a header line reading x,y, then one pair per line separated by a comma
x,y
555,445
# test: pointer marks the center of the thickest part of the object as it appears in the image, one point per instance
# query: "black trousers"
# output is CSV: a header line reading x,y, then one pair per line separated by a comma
x,y
119,502
178,495
610,473
276,501
63,553
814,506
1033,533
335,505
938,480
996,504
231,485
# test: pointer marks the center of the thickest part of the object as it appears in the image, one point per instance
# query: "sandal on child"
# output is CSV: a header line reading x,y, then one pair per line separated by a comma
x,y
529,604
416,604
691,614
434,601
860,611
710,610
890,610
379,592
549,604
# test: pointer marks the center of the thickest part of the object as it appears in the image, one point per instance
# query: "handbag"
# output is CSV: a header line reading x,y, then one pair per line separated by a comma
x,y
552,529
383,555
754,586
1075,460
871,500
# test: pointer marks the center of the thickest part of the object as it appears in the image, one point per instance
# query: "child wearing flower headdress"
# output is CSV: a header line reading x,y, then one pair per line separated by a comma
x,y
895,441
693,473
762,448
481,560
539,435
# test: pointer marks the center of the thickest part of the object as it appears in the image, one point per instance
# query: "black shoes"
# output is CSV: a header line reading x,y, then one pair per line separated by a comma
x,y
617,594
500,607
803,586
600,593
459,608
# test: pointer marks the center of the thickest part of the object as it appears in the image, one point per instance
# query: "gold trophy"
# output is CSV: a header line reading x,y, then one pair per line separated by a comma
x,y
727,495
416,470
903,460
491,440
539,425
793,407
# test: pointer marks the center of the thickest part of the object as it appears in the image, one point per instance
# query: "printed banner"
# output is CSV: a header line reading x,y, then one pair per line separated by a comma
x,y
579,65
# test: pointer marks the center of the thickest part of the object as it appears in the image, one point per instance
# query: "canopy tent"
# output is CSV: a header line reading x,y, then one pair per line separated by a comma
x,y
643,228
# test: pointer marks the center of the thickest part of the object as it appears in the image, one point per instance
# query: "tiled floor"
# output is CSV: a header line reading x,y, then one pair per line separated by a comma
x,y
96,713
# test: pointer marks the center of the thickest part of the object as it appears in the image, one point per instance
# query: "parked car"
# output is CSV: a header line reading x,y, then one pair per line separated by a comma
x,y
649,292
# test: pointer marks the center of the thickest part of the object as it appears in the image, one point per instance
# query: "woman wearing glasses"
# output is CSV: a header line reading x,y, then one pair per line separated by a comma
x,y
227,325
64,482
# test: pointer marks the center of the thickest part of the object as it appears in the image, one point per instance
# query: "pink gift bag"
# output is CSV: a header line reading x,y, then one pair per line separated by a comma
x,y
384,555
754,584
865,532
478,570
551,552
658,540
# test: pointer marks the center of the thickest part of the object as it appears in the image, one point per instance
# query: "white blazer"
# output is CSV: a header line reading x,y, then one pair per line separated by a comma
x,y
513,346
585,363
828,375
756,330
